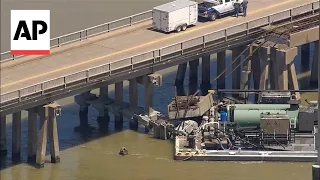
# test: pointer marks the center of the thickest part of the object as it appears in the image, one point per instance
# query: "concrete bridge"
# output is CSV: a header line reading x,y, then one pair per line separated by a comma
x,y
128,49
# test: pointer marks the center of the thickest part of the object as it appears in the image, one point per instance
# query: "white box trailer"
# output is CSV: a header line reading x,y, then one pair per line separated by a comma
x,y
175,16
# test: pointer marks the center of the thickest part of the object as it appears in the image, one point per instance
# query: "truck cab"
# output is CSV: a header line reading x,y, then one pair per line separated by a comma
x,y
212,9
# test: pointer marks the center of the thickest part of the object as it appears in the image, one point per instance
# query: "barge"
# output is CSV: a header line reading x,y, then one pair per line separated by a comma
x,y
277,128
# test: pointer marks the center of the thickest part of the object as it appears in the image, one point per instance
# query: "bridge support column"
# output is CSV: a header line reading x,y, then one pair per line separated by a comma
x,y
305,57
42,138
293,80
246,74
237,72
148,95
119,100
41,114
264,58
133,98
83,116
181,72
3,140
53,132
273,75
221,66
314,69
286,69
103,117
286,58
32,134
193,76
205,85
16,135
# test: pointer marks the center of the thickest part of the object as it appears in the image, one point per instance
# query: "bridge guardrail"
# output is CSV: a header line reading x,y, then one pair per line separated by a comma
x,y
156,55
91,32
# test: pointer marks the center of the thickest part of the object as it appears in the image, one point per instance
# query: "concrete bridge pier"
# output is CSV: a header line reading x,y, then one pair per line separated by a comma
x,y
3,140
83,116
236,75
314,69
264,58
32,134
305,57
181,73
246,74
48,113
16,135
273,73
42,138
133,101
205,73
256,69
103,118
221,66
81,100
193,76
205,85
284,68
118,100
41,114
53,133
148,95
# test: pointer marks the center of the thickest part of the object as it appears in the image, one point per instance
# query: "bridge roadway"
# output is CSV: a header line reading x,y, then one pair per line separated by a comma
x,y
24,72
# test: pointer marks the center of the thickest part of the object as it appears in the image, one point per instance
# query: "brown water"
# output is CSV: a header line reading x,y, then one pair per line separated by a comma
x,y
149,159
96,158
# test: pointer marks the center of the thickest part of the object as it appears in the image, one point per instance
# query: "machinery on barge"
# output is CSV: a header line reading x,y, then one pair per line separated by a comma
x,y
273,123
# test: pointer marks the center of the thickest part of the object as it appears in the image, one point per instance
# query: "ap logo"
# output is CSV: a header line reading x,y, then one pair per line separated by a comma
x,y
30,32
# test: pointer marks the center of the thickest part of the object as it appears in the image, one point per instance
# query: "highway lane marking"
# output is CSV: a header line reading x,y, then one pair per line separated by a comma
x,y
143,45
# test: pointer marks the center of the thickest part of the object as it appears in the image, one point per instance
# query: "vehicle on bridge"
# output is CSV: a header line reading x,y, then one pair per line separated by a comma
x,y
175,16
212,9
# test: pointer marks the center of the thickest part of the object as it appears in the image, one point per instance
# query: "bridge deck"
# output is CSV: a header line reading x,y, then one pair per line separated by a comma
x,y
120,47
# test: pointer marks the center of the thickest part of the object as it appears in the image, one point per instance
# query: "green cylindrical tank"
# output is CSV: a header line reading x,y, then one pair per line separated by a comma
x,y
249,114
261,106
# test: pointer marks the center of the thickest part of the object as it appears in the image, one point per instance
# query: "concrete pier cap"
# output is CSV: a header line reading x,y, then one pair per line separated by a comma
x,y
155,79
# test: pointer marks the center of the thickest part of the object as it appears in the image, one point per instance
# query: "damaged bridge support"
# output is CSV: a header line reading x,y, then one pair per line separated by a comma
x,y
122,109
